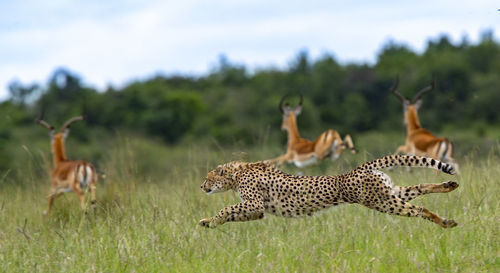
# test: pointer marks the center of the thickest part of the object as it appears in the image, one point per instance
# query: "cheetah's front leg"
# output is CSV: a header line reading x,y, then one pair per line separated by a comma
x,y
245,211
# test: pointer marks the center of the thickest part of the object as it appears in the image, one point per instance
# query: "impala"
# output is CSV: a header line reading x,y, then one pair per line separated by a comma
x,y
68,175
420,141
303,152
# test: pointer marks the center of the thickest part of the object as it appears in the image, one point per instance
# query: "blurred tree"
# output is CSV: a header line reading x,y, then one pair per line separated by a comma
x,y
174,116
231,104
229,74
20,94
484,55
396,59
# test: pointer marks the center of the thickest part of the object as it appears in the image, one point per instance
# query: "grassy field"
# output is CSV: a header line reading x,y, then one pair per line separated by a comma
x,y
150,202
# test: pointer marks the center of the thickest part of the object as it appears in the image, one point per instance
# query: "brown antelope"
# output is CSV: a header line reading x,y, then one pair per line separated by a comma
x,y
303,152
68,175
420,141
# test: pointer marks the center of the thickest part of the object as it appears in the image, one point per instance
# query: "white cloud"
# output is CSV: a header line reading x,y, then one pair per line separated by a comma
x,y
186,36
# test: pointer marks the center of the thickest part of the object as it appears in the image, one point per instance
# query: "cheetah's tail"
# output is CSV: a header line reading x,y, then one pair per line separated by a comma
x,y
407,160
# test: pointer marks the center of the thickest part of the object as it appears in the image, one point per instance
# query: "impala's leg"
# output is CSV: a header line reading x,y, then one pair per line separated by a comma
x,y
325,144
448,157
79,193
302,160
452,162
245,211
329,144
401,149
348,142
410,149
411,192
52,195
281,159
54,192
394,205
93,186
82,199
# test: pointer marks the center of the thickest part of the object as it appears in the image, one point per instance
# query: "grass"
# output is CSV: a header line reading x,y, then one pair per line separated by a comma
x,y
150,203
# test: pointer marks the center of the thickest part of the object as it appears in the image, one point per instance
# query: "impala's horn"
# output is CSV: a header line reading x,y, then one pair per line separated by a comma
x,y
281,104
394,90
40,120
423,91
70,121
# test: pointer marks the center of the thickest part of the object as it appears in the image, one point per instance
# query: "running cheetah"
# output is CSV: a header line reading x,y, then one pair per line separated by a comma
x,y
263,188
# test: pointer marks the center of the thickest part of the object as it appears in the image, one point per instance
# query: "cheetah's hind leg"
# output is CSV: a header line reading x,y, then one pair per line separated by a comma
x,y
411,192
394,205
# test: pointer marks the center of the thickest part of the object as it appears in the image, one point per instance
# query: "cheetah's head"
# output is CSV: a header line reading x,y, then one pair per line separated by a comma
x,y
218,180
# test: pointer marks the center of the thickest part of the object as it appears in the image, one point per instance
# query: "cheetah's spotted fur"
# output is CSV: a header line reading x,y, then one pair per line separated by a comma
x,y
263,188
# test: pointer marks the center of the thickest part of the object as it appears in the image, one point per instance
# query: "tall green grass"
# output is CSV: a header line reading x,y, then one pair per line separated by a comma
x,y
150,202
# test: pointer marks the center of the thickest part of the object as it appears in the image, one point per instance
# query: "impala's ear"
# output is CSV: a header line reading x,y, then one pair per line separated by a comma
x,y
417,104
65,133
285,109
406,104
297,110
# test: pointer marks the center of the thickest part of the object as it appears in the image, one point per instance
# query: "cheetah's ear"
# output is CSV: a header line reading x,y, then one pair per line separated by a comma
x,y
219,171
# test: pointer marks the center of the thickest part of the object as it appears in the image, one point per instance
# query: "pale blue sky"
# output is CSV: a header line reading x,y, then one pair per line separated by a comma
x,y
115,42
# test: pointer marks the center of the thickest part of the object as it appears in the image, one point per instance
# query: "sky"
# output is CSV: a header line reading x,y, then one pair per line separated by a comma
x,y
112,43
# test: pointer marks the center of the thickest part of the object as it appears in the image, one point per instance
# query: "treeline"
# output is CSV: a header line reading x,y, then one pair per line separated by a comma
x,y
232,104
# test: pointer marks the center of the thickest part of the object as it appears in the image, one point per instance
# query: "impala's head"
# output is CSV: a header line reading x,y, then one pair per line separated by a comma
x,y
63,132
289,113
220,179
57,138
411,106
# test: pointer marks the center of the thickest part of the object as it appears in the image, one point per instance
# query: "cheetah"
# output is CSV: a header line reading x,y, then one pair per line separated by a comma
x,y
265,189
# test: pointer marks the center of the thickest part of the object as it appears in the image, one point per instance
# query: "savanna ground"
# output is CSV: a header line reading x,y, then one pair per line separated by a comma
x,y
150,202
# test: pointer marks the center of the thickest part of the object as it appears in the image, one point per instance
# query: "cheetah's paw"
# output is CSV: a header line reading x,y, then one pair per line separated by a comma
x,y
450,185
207,222
449,223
